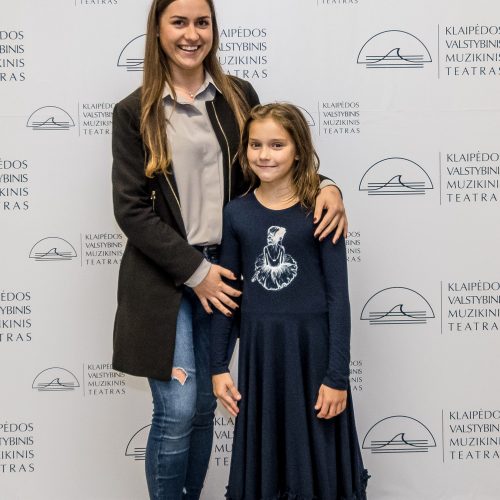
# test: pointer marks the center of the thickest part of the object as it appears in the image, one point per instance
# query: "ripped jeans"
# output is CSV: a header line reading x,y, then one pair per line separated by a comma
x,y
180,439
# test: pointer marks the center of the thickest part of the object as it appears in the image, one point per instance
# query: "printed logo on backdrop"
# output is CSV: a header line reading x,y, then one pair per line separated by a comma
x,y
243,51
136,447
471,307
55,380
50,118
132,55
17,454
397,306
15,316
356,371
94,118
471,435
470,177
353,246
334,117
399,434
308,117
94,3
337,2
14,185
470,50
394,49
395,176
12,51
96,249
100,380
223,442
52,249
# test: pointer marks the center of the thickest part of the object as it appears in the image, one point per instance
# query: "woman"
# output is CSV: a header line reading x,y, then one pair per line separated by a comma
x,y
174,141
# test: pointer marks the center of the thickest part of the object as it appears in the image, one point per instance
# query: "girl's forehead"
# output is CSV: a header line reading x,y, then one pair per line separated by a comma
x,y
267,126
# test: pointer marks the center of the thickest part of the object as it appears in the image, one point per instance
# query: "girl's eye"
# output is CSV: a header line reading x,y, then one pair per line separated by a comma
x,y
277,145
255,145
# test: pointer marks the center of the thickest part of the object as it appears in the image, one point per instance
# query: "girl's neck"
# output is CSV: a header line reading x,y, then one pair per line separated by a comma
x,y
276,197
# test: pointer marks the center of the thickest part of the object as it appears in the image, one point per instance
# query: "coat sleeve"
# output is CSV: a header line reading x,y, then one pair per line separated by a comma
x,y
334,265
221,328
132,205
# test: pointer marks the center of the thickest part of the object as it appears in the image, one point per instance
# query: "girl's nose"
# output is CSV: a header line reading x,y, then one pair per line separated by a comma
x,y
264,153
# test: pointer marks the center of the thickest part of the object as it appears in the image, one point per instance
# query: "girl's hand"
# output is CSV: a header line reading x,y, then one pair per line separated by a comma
x,y
331,402
213,289
226,392
329,199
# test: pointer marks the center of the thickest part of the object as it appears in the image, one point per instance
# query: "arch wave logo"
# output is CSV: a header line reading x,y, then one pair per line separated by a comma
x,y
50,118
55,379
399,434
136,447
132,55
395,176
397,306
394,49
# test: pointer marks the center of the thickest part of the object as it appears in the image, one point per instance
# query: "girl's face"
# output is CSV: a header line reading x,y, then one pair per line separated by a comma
x,y
186,35
271,152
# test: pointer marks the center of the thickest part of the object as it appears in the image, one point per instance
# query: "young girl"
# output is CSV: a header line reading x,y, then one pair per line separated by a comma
x,y
295,436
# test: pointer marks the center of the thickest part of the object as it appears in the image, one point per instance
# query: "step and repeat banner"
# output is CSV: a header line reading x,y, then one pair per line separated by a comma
x,y
402,100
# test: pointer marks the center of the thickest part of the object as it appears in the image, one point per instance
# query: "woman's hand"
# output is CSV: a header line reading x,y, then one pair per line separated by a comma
x,y
329,199
213,289
331,402
226,392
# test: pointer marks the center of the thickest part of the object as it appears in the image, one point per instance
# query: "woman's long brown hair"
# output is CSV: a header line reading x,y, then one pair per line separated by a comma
x,y
305,178
157,73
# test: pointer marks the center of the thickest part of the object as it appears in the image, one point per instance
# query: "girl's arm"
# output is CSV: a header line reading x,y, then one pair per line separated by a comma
x,y
221,341
332,394
222,324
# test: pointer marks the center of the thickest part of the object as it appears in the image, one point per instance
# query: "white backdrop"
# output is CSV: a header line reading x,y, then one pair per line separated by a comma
x,y
402,98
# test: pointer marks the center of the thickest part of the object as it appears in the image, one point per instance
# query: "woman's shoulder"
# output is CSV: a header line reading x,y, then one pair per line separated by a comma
x,y
131,103
247,88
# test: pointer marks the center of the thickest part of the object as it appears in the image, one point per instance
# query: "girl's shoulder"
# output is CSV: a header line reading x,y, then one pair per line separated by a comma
x,y
239,204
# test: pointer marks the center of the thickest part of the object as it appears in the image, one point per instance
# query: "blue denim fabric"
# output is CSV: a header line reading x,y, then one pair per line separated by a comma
x,y
180,439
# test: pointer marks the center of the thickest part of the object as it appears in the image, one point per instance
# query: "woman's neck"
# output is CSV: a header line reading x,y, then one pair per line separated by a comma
x,y
276,196
188,81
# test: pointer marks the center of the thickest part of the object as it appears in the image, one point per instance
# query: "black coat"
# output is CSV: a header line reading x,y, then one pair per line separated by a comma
x,y
157,258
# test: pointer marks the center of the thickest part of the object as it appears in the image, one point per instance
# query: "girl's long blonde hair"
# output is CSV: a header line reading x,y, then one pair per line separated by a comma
x,y
157,73
305,178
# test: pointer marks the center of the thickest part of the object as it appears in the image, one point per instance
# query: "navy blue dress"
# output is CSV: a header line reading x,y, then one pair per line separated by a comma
x,y
294,336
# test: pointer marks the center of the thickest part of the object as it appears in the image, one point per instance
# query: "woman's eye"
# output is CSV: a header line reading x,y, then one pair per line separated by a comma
x,y
178,22
277,145
203,23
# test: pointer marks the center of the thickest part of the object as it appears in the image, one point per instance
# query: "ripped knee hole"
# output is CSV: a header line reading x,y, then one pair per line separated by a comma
x,y
180,375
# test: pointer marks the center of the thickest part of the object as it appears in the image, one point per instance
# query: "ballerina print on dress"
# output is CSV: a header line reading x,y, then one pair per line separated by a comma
x,y
274,268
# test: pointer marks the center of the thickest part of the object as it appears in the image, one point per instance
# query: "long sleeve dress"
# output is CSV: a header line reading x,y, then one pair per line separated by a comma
x,y
294,336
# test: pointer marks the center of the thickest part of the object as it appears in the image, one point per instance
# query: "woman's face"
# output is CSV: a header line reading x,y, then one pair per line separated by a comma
x,y
186,34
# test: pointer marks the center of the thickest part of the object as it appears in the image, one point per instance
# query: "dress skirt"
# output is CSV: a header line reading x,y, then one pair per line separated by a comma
x,y
281,449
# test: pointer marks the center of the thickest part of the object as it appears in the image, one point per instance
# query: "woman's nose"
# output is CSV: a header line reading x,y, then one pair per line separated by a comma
x,y
191,32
